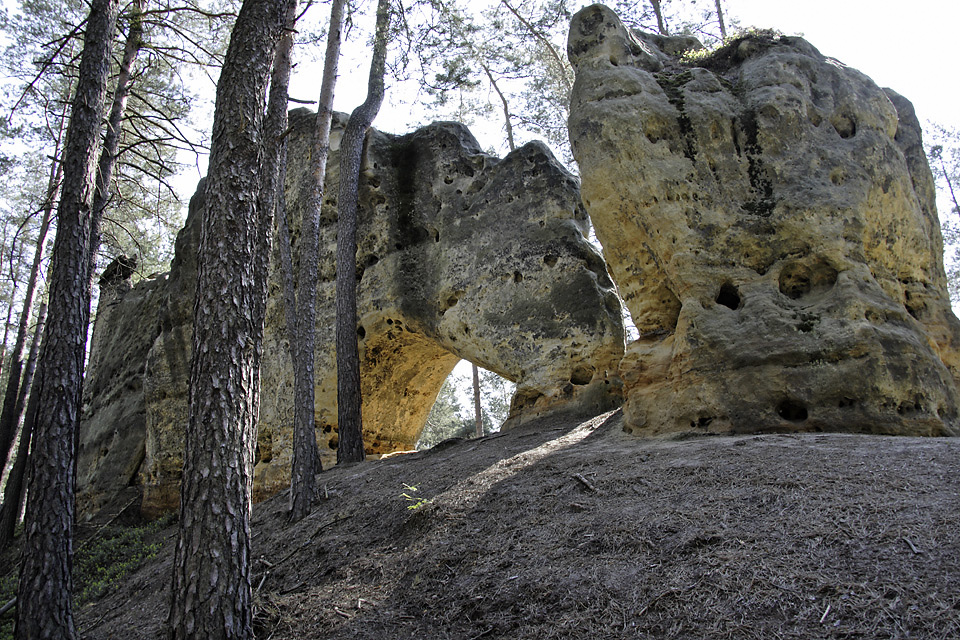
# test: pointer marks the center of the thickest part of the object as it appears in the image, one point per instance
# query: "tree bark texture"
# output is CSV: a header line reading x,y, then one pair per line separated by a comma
x,y
10,417
44,591
111,140
13,493
305,455
211,591
350,448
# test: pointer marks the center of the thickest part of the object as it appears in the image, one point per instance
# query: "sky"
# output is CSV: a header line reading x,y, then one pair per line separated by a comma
x,y
909,52
910,47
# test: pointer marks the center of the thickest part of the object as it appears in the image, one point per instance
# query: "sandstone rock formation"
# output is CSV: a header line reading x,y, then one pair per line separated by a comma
x,y
768,215
461,255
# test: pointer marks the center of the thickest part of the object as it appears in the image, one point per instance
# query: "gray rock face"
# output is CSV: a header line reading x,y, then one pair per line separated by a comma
x,y
769,217
461,255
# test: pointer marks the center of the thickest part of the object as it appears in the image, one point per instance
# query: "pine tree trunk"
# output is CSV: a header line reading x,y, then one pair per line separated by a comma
x,y
305,455
477,411
350,448
44,593
13,492
723,27
661,25
507,119
212,594
9,417
111,140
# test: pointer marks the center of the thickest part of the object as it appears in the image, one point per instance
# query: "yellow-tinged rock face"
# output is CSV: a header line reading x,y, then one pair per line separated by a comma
x,y
460,255
768,216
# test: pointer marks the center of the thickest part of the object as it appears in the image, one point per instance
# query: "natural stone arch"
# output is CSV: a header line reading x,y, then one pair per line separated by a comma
x,y
460,255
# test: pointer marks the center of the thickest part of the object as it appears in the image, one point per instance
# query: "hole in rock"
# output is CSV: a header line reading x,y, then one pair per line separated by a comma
x,y
792,411
361,332
729,296
799,280
581,375
550,260
454,412
702,422
845,125
517,276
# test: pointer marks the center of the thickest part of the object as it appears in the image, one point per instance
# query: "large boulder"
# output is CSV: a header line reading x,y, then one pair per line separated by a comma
x,y
768,215
461,255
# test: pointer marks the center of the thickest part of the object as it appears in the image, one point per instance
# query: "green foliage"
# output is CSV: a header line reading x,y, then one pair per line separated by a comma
x,y
98,565
8,590
452,415
413,502
447,418
114,553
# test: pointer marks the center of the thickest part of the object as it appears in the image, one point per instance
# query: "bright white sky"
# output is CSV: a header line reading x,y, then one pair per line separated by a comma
x,y
907,52
910,47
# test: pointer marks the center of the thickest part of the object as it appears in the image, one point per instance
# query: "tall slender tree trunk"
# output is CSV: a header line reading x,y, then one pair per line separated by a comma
x,y
212,594
477,411
305,455
9,417
723,27
111,141
13,493
274,141
507,118
661,24
44,593
350,448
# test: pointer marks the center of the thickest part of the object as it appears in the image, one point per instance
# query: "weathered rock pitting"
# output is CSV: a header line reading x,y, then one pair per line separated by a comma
x,y
769,217
461,255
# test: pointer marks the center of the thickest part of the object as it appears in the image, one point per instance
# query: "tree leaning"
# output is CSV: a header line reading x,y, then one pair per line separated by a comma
x,y
350,448
211,590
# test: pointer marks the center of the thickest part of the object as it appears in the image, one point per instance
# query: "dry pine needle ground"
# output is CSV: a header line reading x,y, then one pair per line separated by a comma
x,y
566,530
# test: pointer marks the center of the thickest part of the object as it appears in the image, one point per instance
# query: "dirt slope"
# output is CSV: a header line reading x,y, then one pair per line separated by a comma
x,y
580,531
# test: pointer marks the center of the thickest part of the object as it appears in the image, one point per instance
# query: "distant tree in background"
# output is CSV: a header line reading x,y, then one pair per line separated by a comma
x,y
510,58
450,418
445,419
943,154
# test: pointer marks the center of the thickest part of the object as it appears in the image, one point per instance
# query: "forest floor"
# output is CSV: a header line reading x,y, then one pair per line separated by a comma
x,y
576,530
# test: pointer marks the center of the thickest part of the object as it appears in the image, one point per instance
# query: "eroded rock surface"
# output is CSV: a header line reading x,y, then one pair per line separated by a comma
x,y
768,215
461,255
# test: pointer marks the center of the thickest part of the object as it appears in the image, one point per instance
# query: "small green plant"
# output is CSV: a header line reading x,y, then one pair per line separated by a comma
x,y
413,502
114,553
8,589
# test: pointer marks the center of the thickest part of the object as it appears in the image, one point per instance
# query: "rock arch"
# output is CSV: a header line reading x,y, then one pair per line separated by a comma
x,y
460,255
